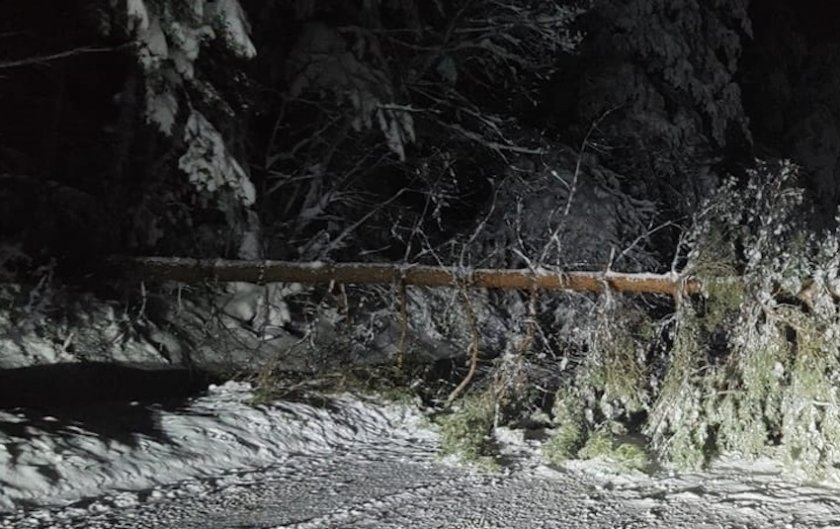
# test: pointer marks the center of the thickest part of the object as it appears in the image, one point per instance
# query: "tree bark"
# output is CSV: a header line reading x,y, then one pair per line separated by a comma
x,y
199,270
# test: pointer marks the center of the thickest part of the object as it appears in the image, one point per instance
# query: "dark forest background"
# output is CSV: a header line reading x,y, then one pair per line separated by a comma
x,y
386,130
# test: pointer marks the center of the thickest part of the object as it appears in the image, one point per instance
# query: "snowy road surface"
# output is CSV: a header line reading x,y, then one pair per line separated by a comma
x,y
220,463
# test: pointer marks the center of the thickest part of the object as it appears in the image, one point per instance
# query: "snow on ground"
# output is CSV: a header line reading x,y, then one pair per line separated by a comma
x,y
219,462
57,460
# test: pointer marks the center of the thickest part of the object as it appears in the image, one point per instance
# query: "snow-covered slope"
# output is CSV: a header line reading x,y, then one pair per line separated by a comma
x,y
58,460
350,462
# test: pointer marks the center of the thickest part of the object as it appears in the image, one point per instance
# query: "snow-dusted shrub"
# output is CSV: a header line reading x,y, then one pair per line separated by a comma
x,y
467,431
624,454
569,426
751,366
615,369
755,370
610,384
676,423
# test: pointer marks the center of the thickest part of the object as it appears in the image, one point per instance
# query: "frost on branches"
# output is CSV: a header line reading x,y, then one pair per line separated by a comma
x,y
208,163
754,368
751,368
170,37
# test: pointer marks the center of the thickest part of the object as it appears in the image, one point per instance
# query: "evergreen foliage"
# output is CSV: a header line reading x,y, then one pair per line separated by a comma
x,y
674,110
754,372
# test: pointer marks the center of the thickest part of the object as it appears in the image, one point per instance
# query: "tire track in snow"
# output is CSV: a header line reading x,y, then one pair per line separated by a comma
x,y
374,508
361,488
355,465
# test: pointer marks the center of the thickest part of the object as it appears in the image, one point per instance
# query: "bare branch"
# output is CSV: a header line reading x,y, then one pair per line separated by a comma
x,y
42,59
472,350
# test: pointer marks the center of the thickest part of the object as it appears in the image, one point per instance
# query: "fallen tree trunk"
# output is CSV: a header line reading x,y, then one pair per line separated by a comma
x,y
199,270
